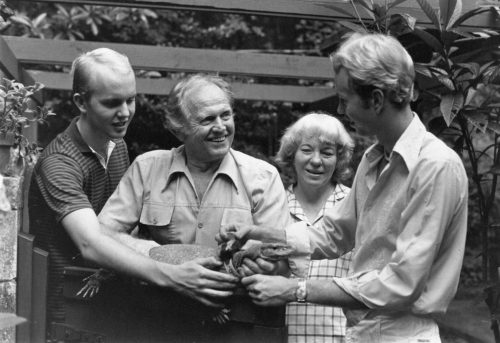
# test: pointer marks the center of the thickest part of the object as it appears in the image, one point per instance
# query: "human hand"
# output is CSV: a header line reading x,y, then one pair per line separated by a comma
x,y
238,232
267,290
263,266
197,279
256,263
257,266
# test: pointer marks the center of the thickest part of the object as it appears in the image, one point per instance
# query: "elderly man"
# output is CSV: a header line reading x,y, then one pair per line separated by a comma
x,y
405,217
76,174
185,194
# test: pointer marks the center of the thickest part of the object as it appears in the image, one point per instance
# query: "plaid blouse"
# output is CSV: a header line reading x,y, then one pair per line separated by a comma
x,y
309,322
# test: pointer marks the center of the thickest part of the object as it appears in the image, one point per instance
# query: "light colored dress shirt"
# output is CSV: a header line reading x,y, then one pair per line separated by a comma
x,y
408,227
157,193
310,322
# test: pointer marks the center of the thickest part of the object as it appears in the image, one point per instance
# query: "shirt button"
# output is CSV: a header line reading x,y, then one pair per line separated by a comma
x,y
200,225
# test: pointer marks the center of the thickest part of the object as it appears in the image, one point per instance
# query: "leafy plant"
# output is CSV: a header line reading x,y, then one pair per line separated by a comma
x,y
17,111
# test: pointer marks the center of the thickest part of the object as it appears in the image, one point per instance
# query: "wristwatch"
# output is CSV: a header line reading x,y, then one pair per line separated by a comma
x,y
301,291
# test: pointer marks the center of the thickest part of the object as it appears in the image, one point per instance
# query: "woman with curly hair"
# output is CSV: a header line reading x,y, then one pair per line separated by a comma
x,y
315,153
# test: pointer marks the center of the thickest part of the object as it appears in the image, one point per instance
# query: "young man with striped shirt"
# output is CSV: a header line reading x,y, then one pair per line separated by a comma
x,y
76,174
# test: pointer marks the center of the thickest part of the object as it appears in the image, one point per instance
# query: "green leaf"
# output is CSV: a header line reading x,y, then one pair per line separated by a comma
x,y
150,13
472,67
365,4
379,11
62,9
400,24
23,20
437,71
468,15
455,15
446,107
447,7
395,3
352,26
423,70
429,39
39,19
450,104
338,9
431,13
478,120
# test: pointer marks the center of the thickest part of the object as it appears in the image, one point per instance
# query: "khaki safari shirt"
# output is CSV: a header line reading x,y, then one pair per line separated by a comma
x,y
157,193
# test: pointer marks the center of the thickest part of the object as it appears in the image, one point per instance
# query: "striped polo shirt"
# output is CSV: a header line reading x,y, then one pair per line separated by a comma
x,y
68,177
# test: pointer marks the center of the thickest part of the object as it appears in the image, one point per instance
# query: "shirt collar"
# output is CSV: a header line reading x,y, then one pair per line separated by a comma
x,y
408,146
73,133
227,167
109,151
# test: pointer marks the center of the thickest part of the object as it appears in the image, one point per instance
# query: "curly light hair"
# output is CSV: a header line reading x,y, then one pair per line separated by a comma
x,y
328,129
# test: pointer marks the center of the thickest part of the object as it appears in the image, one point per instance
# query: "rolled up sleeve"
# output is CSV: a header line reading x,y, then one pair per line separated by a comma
x,y
270,205
122,211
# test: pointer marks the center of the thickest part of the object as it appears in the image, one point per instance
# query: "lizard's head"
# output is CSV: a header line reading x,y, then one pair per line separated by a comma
x,y
276,251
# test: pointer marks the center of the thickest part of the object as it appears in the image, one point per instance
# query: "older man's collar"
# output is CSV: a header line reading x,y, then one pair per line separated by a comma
x,y
179,165
229,167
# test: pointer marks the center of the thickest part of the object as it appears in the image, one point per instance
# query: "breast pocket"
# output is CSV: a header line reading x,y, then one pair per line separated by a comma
x,y
237,216
155,221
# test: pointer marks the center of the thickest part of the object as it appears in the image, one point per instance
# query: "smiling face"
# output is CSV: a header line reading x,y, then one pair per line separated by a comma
x,y
109,105
360,112
210,131
314,162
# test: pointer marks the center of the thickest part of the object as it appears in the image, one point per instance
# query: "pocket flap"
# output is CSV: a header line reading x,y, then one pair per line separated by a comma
x,y
156,215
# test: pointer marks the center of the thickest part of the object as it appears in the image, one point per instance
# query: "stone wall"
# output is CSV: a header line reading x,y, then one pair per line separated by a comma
x,y
10,222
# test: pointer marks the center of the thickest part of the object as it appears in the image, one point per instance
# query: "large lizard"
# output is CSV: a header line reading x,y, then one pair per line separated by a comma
x,y
231,253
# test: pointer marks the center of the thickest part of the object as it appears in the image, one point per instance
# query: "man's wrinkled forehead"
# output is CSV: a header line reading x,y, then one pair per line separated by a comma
x,y
204,95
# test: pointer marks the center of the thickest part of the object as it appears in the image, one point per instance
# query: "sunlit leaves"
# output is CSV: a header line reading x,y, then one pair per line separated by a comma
x,y
450,105
17,111
431,13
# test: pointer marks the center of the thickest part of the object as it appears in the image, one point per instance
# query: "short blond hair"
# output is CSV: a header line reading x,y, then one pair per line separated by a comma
x,y
376,61
81,69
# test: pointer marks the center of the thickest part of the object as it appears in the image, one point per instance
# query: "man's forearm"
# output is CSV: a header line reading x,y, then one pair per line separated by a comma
x,y
142,246
329,293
